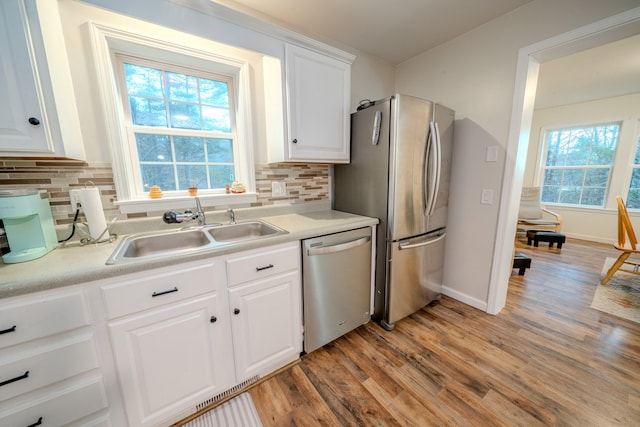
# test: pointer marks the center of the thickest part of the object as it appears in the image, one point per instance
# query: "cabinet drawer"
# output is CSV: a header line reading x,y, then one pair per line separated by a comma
x,y
25,319
29,371
158,287
262,263
60,407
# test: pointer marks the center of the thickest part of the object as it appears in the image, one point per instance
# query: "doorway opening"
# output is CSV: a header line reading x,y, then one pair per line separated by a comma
x,y
605,31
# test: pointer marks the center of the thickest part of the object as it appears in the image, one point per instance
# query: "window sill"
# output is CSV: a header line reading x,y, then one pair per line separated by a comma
x,y
184,202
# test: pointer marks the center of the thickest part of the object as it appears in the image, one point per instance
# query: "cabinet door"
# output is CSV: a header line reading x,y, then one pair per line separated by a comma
x,y
19,87
38,113
173,358
266,323
318,106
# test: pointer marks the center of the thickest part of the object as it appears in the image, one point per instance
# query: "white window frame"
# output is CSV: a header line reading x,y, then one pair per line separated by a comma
x,y
544,151
132,129
172,47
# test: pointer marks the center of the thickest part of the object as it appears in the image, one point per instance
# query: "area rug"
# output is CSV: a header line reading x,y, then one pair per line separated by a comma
x,y
620,296
237,412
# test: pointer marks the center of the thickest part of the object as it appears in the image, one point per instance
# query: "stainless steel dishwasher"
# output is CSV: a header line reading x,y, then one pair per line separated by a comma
x,y
336,271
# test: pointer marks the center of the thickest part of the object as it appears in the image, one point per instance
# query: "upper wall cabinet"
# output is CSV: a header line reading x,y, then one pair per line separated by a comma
x,y
38,114
317,104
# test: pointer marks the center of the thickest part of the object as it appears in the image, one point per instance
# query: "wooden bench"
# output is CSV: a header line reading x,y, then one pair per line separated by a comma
x,y
521,262
545,236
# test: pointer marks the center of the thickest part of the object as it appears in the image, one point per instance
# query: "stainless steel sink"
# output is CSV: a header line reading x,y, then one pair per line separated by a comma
x,y
192,239
243,231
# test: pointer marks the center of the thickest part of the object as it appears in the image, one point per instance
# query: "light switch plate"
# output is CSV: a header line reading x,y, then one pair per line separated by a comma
x,y
487,196
279,189
492,154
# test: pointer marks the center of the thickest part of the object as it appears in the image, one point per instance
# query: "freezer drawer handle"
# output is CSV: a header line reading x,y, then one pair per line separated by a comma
x,y
157,294
13,380
339,247
264,268
424,243
6,331
37,423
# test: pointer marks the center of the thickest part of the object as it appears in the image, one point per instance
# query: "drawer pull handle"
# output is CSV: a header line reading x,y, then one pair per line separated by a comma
x,y
6,331
157,294
214,319
37,423
13,380
264,268
236,311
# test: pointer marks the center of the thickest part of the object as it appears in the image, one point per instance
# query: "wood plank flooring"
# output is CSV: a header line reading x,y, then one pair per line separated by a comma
x,y
547,359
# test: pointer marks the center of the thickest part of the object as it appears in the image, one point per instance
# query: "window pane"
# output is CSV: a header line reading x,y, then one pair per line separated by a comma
x,y
221,175
182,87
633,199
216,119
191,176
593,197
219,150
147,111
189,149
214,93
184,116
160,175
597,177
570,195
573,177
144,81
153,148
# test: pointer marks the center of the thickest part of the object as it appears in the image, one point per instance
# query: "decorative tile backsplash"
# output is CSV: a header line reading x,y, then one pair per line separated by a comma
x,y
304,182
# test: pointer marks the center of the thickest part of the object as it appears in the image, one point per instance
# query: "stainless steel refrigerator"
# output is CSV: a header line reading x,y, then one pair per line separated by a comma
x,y
399,173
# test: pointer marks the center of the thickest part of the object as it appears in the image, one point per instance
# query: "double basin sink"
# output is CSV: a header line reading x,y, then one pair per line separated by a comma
x,y
179,242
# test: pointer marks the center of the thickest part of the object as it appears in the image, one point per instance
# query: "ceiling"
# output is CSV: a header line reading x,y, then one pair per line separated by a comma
x,y
394,30
605,71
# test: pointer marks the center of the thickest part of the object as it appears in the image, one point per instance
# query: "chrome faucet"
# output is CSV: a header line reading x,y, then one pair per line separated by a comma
x,y
171,217
199,212
232,216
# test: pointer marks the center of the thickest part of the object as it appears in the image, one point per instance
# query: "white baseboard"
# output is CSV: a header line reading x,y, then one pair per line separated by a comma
x,y
473,302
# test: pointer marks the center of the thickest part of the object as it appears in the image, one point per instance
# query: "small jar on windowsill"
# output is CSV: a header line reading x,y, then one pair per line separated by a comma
x,y
193,191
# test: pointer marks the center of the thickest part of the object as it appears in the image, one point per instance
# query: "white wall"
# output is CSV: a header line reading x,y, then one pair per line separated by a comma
x,y
590,223
475,74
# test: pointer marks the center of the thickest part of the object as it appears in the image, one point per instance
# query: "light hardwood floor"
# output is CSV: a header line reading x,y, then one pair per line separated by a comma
x,y
546,359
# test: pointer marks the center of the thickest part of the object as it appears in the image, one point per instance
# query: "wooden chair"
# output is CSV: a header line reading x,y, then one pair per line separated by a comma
x,y
625,231
531,215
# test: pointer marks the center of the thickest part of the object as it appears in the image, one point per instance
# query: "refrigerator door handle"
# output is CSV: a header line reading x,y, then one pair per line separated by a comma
x,y
323,250
437,169
430,241
431,167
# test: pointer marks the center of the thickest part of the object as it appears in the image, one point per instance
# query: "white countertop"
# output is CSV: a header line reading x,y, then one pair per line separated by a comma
x,y
72,263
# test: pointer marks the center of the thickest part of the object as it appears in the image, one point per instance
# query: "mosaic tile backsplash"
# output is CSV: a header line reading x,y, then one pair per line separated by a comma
x,y
305,183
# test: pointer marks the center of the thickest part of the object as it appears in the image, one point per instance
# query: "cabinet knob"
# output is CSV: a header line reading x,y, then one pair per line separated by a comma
x,y
236,311
214,319
295,141
34,121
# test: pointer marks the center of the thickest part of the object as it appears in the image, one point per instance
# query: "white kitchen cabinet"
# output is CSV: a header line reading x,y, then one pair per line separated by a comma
x,y
172,358
171,342
49,366
317,104
266,309
38,114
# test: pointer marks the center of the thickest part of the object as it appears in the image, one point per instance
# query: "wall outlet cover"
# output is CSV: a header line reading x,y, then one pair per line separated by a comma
x,y
74,196
279,189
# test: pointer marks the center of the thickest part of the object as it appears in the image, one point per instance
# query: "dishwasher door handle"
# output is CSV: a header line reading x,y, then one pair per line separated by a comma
x,y
323,250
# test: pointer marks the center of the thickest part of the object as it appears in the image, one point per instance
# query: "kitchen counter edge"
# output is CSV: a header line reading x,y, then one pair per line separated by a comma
x,y
75,264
